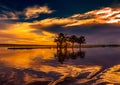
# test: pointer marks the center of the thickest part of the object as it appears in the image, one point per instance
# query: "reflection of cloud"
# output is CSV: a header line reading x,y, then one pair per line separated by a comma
x,y
32,67
33,12
112,75
25,58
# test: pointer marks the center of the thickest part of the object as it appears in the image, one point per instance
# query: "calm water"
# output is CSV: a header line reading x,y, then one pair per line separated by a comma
x,y
88,66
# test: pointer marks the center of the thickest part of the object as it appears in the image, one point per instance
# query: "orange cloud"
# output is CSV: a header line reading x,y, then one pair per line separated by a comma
x,y
105,15
35,32
22,33
33,12
109,15
28,13
46,23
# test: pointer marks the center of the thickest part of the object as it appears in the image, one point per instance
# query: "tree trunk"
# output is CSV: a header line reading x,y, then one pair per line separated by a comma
x,y
80,46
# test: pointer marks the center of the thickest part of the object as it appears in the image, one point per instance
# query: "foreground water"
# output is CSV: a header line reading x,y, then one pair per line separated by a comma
x,y
89,66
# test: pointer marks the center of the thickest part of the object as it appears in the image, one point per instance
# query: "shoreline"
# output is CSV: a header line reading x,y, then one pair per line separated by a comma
x,y
54,46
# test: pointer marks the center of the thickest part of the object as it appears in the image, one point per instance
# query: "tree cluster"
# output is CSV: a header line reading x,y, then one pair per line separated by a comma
x,y
62,40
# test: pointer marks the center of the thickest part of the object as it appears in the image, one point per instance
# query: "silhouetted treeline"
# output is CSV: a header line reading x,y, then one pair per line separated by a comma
x,y
62,40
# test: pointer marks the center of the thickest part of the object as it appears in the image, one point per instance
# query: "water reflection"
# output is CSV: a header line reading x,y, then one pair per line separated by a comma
x,y
98,66
64,54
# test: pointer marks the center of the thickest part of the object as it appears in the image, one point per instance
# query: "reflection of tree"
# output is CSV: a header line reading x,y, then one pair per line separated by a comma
x,y
81,54
63,54
60,56
72,39
62,41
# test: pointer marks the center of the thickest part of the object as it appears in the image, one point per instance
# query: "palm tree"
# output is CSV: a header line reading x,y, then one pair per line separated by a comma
x,y
66,39
60,39
81,40
72,39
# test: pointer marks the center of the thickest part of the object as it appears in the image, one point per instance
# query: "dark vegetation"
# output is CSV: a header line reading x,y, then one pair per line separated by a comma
x,y
63,40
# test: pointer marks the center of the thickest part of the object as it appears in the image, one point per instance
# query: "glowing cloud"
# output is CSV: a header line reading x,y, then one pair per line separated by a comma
x,y
105,15
109,15
22,33
33,12
38,31
28,13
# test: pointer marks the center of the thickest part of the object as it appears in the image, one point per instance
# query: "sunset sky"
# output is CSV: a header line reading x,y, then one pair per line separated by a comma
x,y
38,21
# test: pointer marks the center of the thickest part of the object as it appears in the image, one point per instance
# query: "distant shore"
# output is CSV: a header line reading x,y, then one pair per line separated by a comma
x,y
28,46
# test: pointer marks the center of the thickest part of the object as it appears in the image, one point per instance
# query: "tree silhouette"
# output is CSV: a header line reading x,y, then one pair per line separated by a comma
x,y
72,39
81,40
60,39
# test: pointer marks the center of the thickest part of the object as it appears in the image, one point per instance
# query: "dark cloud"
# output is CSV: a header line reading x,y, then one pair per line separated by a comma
x,y
95,34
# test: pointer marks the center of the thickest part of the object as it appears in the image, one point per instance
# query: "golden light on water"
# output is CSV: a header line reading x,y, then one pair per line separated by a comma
x,y
25,58
44,62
